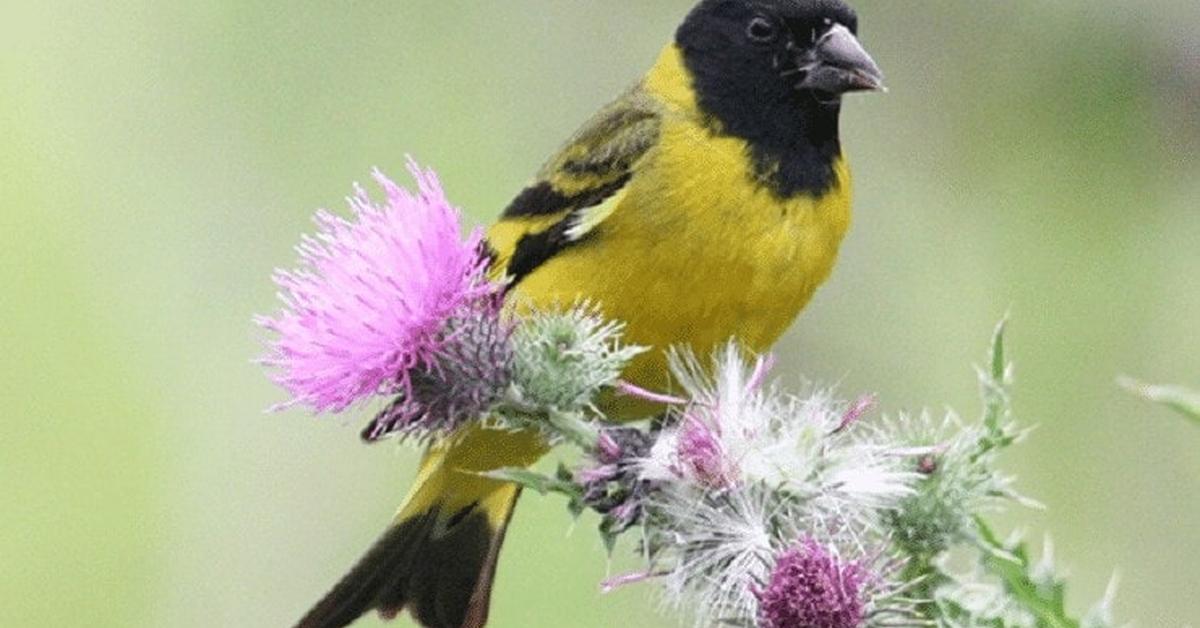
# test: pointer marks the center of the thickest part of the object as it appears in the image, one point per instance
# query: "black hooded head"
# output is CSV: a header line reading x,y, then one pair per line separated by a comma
x,y
773,72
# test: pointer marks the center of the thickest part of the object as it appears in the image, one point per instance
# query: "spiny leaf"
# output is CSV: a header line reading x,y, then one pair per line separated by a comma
x,y
1043,596
951,614
999,364
1179,399
995,383
533,480
575,428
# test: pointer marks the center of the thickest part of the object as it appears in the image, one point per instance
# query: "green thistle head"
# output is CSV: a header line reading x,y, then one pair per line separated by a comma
x,y
563,359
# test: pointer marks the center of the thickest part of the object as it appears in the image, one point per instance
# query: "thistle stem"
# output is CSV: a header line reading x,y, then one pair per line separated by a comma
x,y
575,428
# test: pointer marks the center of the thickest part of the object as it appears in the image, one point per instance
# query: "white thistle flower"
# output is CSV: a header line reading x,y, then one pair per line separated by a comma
x,y
719,553
734,430
714,548
744,472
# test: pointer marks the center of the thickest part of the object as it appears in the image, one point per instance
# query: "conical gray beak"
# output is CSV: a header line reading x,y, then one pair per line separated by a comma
x,y
840,64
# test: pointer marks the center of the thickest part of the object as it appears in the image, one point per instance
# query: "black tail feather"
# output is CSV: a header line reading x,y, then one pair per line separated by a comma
x,y
360,590
441,570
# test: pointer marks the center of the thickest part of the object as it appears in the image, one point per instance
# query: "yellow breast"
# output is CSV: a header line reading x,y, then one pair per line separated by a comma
x,y
695,251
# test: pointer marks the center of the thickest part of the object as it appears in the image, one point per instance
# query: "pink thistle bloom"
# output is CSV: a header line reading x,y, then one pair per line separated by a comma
x,y
607,448
810,587
596,474
701,457
372,297
762,368
856,411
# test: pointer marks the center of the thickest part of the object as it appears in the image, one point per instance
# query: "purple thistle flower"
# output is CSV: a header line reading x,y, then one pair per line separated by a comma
x,y
812,588
593,475
856,411
369,308
700,456
607,448
609,479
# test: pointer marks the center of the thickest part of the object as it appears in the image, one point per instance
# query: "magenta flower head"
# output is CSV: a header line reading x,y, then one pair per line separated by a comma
x,y
701,456
811,587
384,302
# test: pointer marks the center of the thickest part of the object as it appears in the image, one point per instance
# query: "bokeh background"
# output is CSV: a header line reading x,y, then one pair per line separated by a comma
x,y
157,160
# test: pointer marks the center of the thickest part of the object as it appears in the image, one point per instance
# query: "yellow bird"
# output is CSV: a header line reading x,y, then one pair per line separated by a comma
x,y
707,202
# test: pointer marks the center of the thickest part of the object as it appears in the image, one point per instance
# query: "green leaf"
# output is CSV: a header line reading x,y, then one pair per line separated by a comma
x,y
951,613
995,384
999,365
1178,398
1043,594
575,428
609,536
576,507
533,480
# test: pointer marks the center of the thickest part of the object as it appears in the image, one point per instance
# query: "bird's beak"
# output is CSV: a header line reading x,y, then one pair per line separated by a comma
x,y
839,64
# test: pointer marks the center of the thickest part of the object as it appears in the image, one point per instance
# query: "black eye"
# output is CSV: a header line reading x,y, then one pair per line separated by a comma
x,y
761,30
817,32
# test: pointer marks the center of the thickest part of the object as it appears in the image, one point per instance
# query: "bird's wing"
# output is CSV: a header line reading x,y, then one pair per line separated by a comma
x,y
578,188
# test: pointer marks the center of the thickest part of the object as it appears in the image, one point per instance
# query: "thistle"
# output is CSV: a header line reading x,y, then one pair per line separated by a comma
x,y
956,484
713,548
611,483
734,429
756,507
392,302
744,470
563,358
812,587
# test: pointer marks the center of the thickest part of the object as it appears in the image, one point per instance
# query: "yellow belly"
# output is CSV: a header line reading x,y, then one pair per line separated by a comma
x,y
694,254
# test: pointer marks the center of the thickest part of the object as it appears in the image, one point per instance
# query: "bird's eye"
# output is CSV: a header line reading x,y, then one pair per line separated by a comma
x,y
761,30
818,31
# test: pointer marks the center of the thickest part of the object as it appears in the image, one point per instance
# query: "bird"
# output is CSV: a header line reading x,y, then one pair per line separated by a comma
x,y
707,202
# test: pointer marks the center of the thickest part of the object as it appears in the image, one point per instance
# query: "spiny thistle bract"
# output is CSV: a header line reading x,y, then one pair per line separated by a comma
x,y
467,375
955,484
562,358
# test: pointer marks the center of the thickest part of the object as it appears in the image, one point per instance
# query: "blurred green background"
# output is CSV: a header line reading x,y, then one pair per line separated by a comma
x,y
157,160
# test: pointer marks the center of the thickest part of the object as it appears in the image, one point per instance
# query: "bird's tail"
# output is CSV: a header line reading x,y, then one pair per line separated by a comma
x,y
438,558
